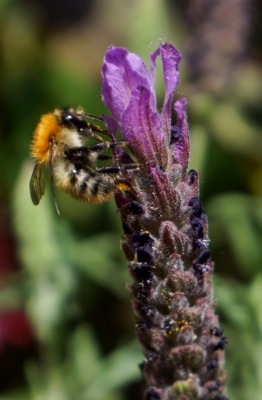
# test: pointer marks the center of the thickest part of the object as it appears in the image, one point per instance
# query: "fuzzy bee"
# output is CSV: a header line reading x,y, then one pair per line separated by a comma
x,y
59,141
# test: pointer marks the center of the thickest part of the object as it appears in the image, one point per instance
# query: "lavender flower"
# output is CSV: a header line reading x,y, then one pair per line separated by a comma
x,y
165,233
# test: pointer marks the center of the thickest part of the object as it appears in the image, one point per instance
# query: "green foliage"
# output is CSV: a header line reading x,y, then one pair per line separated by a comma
x,y
58,268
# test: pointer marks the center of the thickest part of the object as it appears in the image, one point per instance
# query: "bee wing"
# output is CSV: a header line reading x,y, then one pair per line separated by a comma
x,y
37,183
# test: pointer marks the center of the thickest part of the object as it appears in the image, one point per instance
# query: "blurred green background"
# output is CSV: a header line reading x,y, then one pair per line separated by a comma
x,y
66,325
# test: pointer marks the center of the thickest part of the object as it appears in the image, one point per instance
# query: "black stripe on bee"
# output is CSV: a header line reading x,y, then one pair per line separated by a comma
x,y
95,186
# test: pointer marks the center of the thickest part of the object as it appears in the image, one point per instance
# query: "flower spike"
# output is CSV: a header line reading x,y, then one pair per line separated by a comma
x,y
165,233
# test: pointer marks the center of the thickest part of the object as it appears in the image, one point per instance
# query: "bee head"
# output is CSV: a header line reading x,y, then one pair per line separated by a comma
x,y
73,118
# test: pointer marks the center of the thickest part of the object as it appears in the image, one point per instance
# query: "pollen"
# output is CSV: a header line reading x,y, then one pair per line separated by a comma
x,y
47,129
124,185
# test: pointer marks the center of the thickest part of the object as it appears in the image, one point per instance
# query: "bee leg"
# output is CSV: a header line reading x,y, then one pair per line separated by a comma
x,y
85,151
121,184
100,147
109,170
90,130
96,128
77,152
114,169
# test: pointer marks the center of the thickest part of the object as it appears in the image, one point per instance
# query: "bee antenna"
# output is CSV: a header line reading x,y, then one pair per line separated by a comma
x,y
92,116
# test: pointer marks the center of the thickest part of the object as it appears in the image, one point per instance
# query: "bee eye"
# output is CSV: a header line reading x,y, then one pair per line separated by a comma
x,y
72,120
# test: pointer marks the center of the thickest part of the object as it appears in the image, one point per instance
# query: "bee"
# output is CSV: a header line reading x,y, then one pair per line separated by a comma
x,y
59,141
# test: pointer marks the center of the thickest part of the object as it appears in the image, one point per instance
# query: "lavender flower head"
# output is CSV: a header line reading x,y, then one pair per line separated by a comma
x,y
165,232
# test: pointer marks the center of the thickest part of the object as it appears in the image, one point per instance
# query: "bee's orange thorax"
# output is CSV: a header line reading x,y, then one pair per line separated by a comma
x,y
47,130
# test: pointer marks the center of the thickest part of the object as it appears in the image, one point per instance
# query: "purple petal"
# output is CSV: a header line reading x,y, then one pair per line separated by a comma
x,y
182,145
170,57
142,128
122,72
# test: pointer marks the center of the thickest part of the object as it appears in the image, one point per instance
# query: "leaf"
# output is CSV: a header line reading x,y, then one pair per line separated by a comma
x,y
52,279
235,221
97,257
118,369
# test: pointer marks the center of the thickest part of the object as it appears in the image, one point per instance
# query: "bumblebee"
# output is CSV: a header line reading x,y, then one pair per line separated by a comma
x,y
59,141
